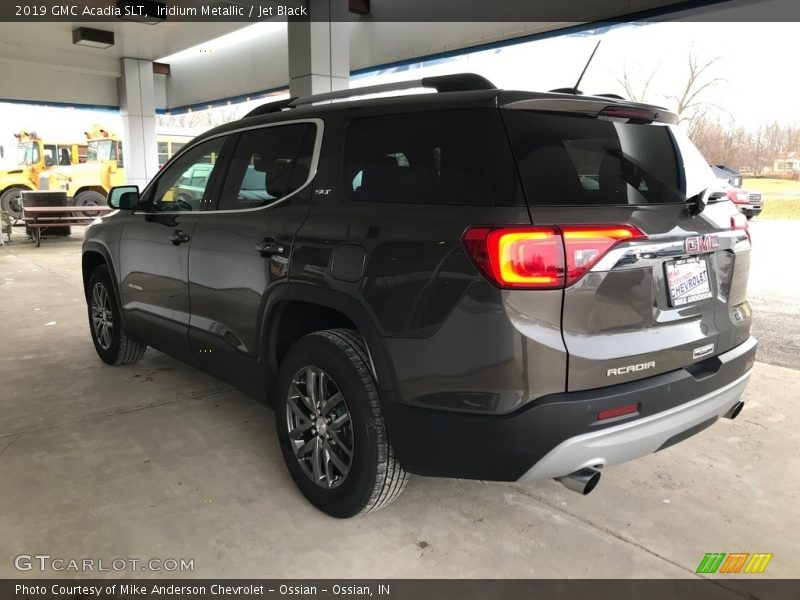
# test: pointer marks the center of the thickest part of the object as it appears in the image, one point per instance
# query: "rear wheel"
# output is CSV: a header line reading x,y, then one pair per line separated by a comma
x,y
111,340
330,426
11,202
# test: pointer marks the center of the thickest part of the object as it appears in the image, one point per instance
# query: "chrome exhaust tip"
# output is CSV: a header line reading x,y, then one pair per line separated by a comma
x,y
734,411
582,481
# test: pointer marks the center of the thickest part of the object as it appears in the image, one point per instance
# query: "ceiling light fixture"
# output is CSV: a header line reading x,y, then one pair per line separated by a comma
x,y
93,38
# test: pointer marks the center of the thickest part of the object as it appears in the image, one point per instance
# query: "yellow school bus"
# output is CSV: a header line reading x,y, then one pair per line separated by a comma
x,y
34,157
88,184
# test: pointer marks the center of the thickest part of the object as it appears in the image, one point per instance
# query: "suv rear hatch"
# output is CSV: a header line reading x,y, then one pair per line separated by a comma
x,y
655,278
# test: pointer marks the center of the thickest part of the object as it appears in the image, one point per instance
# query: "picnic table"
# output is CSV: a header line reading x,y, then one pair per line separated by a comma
x,y
43,217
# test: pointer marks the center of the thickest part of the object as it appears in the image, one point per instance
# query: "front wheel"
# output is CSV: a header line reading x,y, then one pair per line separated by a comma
x,y
90,198
111,340
330,426
11,202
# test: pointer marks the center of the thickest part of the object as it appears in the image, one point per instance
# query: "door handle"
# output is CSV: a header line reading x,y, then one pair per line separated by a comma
x,y
269,247
178,237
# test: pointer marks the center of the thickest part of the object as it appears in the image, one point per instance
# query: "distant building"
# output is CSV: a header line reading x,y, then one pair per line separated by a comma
x,y
787,164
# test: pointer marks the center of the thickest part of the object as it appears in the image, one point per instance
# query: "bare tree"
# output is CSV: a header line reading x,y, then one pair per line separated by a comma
x,y
689,103
632,89
208,117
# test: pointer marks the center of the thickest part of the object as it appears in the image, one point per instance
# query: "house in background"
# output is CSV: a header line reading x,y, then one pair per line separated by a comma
x,y
787,164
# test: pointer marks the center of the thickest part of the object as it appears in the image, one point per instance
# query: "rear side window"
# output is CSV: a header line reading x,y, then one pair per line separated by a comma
x,y
459,157
571,160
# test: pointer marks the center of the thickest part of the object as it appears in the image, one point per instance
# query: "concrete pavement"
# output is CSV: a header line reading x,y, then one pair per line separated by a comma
x,y
157,460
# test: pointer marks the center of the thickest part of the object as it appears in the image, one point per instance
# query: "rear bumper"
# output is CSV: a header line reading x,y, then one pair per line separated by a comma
x,y
640,437
750,209
558,434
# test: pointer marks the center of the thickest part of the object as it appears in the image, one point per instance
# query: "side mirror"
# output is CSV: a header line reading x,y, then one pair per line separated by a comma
x,y
124,197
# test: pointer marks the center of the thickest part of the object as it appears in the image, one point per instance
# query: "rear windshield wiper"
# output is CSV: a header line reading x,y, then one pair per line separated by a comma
x,y
697,203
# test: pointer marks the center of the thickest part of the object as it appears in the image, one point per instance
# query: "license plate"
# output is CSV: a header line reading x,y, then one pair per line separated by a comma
x,y
688,281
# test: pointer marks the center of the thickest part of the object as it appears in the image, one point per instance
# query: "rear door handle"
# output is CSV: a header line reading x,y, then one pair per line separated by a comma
x,y
178,237
269,247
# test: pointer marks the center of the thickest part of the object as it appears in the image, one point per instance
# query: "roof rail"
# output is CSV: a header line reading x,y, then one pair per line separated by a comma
x,y
270,107
461,82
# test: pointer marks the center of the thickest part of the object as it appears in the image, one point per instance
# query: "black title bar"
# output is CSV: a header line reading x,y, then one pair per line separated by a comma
x,y
156,11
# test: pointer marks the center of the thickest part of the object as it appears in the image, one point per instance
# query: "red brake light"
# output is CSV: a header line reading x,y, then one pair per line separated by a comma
x,y
585,246
738,197
628,112
542,257
527,257
618,411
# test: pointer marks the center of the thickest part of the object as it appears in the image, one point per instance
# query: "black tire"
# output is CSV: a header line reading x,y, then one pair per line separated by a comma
x,y
375,478
117,348
90,198
11,202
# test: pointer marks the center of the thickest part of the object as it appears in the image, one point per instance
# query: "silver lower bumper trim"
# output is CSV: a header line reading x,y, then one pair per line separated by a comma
x,y
627,441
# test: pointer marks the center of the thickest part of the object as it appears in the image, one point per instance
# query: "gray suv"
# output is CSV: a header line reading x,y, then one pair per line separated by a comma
x,y
471,283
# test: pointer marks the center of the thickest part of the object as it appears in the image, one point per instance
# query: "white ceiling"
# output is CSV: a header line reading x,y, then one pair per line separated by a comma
x,y
38,61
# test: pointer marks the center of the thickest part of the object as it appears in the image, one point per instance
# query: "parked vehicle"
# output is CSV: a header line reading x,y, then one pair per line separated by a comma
x,y
34,156
475,283
750,204
88,184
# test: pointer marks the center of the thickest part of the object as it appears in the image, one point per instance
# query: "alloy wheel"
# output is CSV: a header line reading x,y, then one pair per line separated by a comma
x,y
320,427
102,316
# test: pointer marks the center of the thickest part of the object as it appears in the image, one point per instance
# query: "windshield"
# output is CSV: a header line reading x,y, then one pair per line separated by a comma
x,y
574,160
27,153
101,150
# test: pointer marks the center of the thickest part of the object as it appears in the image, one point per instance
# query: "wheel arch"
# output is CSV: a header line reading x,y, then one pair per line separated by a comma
x,y
16,185
91,188
307,309
95,255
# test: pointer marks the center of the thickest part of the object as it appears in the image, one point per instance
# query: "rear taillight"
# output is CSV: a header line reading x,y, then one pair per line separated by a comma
x,y
542,257
738,197
739,223
530,257
585,246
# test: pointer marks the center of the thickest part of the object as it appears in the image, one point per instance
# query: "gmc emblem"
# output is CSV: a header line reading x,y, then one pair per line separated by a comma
x,y
701,243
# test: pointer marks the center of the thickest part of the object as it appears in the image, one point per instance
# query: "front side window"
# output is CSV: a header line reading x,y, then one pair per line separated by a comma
x,y
102,150
50,156
268,164
184,185
163,153
27,153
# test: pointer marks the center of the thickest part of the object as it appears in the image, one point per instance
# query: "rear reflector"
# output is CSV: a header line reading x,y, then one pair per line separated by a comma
x,y
738,197
619,411
542,257
739,223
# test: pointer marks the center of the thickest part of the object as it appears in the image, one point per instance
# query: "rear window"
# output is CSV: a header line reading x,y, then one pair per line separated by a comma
x,y
456,157
572,160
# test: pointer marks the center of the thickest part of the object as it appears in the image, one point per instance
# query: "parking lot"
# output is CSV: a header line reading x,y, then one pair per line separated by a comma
x,y
158,460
